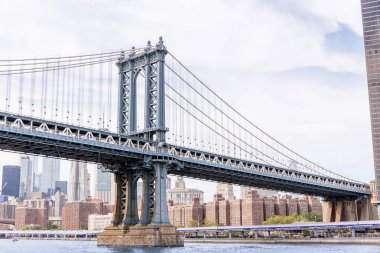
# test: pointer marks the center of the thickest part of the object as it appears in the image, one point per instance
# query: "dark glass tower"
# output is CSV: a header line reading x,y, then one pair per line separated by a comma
x,y
11,180
371,29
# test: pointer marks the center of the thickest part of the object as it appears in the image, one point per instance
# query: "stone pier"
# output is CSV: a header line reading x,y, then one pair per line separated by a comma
x,y
336,210
153,229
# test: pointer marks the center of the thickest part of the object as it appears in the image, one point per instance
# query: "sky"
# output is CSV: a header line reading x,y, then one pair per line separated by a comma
x,y
295,68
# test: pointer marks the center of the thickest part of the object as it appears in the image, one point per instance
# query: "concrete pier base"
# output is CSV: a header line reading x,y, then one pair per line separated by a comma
x,y
336,210
141,236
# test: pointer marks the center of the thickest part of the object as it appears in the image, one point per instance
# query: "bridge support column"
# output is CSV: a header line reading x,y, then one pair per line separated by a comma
x,y
154,229
327,210
160,214
147,197
131,215
363,209
336,210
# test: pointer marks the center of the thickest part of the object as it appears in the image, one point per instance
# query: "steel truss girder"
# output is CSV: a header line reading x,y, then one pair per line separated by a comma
x,y
71,142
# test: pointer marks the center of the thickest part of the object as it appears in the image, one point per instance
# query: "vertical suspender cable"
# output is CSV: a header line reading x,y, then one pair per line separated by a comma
x,y
57,91
63,94
90,122
9,87
45,81
20,90
33,89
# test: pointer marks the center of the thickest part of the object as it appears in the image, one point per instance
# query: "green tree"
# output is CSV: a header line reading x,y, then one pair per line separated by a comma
x,y
313,216
284,219
208,223
193,223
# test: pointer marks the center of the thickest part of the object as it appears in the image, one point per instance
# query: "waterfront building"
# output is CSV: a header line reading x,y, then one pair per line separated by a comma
x,y
371,30
224,213
182,195
252,209
186,215
7,211
99,221
78,182
11,180
226,190
49,175
235,212
31,216
212,210
75,214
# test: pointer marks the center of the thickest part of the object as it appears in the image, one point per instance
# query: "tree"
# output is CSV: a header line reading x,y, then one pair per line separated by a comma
x,y
208,223
313,216
193,223
284,219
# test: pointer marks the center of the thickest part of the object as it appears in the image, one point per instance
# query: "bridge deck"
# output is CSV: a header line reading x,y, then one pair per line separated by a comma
x,y
36,136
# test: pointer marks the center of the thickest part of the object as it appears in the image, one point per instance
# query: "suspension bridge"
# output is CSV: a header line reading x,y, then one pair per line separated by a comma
x,y
141,113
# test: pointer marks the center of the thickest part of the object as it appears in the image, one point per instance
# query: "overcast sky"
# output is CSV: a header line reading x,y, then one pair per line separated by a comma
x,y
296,68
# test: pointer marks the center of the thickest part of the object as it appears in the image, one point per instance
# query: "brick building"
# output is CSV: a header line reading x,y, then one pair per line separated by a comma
x,y
252,209
224,213
302,206
314,205
194,212
75,214
235,212
29,216
291,206
184,215
280,206
7,211
268,208
212,210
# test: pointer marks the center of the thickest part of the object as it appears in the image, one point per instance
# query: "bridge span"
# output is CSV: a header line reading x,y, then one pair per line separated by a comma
x,y
167,122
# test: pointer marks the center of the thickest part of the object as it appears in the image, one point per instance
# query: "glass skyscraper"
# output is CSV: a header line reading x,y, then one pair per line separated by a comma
x,y
371,30
11,180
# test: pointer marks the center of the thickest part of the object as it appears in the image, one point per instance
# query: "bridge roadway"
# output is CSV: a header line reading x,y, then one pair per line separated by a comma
x,y
48,138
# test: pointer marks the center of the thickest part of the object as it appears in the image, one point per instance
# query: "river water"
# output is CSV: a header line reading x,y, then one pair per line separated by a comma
x,y
44,246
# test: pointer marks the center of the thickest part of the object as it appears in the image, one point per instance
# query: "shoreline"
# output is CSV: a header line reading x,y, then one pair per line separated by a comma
x,y
372,241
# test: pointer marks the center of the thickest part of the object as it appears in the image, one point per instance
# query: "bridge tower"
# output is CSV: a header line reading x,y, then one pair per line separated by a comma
x,y
152,228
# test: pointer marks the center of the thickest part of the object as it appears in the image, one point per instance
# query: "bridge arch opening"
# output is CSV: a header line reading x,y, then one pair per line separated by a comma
x,y
140,99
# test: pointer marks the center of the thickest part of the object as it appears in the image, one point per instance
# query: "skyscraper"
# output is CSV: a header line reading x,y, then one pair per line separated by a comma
x,y
59,203
26,177
104,184
226,190
371,30
78,182
11,180
61,186
49,175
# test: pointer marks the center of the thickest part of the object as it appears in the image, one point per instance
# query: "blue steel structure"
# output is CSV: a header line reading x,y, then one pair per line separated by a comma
x,y
132,153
